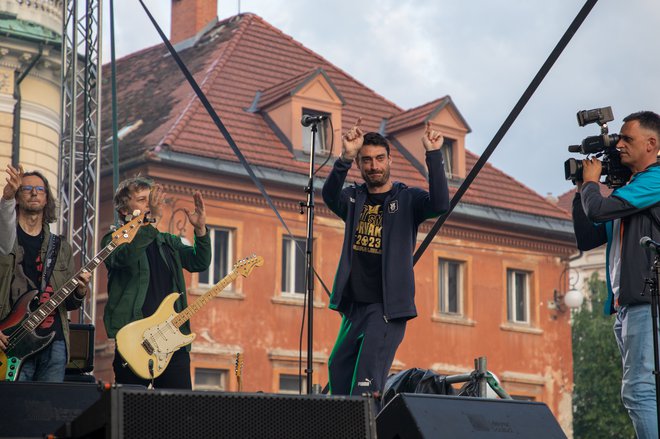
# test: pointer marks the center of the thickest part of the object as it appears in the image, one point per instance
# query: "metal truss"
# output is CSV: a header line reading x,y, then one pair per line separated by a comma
x,y
79,166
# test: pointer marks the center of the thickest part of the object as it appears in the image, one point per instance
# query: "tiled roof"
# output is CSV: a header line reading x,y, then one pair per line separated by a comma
x,y
565,200
419,115
289,87
235,59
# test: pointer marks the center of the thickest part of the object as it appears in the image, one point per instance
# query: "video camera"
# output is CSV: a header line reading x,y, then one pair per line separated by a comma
x,y
603,145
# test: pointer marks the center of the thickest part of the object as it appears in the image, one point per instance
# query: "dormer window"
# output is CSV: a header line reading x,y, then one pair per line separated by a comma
x,y
321,144
309,93
404,130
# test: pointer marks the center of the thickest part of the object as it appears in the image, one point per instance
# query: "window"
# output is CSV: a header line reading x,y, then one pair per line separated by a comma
x,y
291,383
222,256
210,379
320,146
450,286
293,265
518,296
447,154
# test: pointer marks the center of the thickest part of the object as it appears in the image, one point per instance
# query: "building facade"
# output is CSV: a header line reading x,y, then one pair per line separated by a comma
x,y
30,99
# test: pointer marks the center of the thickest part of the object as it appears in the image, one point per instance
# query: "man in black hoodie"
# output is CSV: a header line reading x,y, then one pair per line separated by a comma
x,y
374,288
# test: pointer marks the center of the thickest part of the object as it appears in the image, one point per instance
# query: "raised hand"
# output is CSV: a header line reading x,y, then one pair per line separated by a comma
x,y
432,140
198,217
156,201
15,176
352,141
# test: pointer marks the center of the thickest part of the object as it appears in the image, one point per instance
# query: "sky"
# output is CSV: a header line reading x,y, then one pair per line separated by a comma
x,y
483,53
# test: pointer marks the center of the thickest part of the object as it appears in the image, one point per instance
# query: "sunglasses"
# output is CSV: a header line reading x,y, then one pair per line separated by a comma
x,y
29,188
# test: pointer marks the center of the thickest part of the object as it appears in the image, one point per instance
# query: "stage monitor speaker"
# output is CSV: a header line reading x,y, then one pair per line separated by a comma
x,y
412,416
131,413
32,410
81,343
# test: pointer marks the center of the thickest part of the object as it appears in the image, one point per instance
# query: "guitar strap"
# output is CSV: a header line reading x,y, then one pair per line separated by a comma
x,y
51,257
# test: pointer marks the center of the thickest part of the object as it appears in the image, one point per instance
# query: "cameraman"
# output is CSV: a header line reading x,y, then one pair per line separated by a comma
x,y
620,220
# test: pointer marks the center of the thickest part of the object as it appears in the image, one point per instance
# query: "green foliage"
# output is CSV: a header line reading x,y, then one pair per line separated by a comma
x,y
597,409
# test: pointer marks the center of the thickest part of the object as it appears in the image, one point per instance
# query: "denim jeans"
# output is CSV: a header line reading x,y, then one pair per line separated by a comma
x,y
633,330
46,365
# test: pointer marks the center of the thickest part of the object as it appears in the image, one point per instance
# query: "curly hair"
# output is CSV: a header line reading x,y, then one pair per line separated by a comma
x,y
124,189
377,140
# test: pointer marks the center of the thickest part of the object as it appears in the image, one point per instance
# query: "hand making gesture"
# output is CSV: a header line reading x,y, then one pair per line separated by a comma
x,y
198,217
14,179
352,141
156,201
432,140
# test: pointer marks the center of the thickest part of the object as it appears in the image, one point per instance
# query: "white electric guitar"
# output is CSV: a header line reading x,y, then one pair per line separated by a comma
x,y
147,345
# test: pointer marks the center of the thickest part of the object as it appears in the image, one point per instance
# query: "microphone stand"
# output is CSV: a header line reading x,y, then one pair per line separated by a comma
x,y
654,316
309,250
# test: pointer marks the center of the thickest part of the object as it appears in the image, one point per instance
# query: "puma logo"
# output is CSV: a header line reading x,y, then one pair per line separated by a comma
x,y
366,383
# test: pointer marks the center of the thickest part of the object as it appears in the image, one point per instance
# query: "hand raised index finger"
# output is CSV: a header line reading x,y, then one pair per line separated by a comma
x,y
199,201
358,122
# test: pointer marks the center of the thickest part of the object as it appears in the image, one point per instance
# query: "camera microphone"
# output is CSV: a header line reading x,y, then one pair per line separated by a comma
x,y
574,148
649,243
307,120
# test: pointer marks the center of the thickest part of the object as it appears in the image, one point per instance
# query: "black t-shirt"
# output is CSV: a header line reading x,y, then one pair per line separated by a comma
x,y
160,279
366,280
32,267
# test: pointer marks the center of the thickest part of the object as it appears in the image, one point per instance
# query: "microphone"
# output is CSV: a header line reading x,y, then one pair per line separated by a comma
x,y
307,120
649,243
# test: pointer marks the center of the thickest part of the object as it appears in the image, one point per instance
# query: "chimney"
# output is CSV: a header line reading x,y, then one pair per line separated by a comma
x,y
189,17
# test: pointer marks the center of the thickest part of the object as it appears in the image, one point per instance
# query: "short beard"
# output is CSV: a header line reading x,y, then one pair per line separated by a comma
x,y
379,183
28,209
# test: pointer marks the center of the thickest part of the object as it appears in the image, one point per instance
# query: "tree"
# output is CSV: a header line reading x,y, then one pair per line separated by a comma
x,y
597,407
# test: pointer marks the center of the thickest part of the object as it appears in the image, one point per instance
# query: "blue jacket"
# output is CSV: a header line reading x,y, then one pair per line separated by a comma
x,y
621,220
405,208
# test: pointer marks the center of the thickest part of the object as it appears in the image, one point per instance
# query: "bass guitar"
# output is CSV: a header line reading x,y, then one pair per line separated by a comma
x,y
147,345
20,325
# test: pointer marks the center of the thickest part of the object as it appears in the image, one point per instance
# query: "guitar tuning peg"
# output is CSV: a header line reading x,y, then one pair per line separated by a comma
x,y
113,227
136,212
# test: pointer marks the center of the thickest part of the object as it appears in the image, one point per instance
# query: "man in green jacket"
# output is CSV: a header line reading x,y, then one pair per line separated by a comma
x,y
143,272
27,207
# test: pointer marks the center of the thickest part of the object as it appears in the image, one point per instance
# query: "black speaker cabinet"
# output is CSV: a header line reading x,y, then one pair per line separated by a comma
x,y
31,410
412,416
131,413
81,343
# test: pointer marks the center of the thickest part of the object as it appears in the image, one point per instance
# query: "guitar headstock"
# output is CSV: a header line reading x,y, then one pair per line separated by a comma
x,y
238,365
127,232
245,266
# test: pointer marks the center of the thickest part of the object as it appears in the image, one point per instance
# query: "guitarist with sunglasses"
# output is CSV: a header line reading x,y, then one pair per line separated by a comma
x,y
142,273
27,207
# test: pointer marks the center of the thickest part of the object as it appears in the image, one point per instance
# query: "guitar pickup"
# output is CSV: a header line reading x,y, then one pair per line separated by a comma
x,y
147,347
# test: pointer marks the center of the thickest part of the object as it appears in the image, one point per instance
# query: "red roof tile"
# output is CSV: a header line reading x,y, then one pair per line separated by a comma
x,y
419,115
